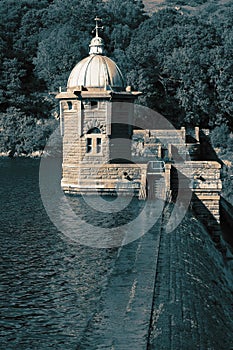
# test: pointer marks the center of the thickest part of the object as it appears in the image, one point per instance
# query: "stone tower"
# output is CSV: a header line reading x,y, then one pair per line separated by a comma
x,y
95,121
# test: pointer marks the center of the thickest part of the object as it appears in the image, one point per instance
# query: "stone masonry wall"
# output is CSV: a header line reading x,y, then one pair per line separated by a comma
x,y
106,177
70,123
75,123
206,184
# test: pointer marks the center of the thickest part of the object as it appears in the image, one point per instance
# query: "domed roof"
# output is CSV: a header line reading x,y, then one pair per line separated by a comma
x,y
96,71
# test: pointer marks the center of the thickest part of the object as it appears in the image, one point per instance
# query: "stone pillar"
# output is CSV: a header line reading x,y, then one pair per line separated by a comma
x,y
169,150
183,133
168,180
159,150
197,133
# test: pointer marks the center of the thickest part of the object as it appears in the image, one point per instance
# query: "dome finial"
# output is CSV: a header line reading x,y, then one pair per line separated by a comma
x,y
97,43
96,29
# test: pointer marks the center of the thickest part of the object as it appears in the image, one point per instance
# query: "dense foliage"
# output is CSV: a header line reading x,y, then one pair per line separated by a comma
x,y
181,60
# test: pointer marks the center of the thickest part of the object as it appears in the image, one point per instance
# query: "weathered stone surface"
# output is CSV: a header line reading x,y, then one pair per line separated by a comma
x,y
122,319
192,302
206,185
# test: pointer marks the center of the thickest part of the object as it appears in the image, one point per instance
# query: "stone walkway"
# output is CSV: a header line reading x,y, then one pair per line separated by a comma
x,y
167,291
122,319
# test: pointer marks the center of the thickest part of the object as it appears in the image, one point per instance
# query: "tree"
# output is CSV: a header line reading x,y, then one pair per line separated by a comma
x,y
177,53
180,60
23,134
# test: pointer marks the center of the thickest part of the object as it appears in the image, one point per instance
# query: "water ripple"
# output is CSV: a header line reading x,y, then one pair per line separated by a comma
x,y
49,287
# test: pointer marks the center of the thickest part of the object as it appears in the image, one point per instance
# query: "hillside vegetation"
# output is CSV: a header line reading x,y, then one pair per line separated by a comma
x,y
181,61
155,5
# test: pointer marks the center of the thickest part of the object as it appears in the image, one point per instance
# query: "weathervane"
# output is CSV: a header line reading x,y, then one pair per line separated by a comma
x,y
97,19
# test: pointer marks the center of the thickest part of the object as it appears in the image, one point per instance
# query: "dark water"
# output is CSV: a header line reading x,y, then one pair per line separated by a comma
x,y
49,286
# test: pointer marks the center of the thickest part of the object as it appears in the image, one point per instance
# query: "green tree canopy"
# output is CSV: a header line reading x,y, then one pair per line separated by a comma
x,y
180,58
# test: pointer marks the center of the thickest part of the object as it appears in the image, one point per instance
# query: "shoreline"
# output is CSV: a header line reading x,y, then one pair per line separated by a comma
x,y
36,154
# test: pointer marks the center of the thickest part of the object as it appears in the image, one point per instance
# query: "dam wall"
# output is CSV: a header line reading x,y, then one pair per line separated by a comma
x,y
165,291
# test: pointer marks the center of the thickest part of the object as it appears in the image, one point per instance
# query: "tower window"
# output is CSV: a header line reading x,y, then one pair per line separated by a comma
x,y
91,104
94,141
98,145
94,104
70,106
94,144
89,145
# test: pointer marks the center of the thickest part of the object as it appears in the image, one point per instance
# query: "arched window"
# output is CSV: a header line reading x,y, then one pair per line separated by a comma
x,y
94,131
94,141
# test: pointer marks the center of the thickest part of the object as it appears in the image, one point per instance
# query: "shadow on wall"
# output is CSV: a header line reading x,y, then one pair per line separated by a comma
x,y
226,220
182,193
207,151
181,186
212,225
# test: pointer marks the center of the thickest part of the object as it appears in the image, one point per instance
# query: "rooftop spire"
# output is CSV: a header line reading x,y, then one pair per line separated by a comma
x,y
97,43
96,29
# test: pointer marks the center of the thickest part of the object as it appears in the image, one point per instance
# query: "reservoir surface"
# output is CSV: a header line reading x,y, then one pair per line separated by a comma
x,y
50,285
